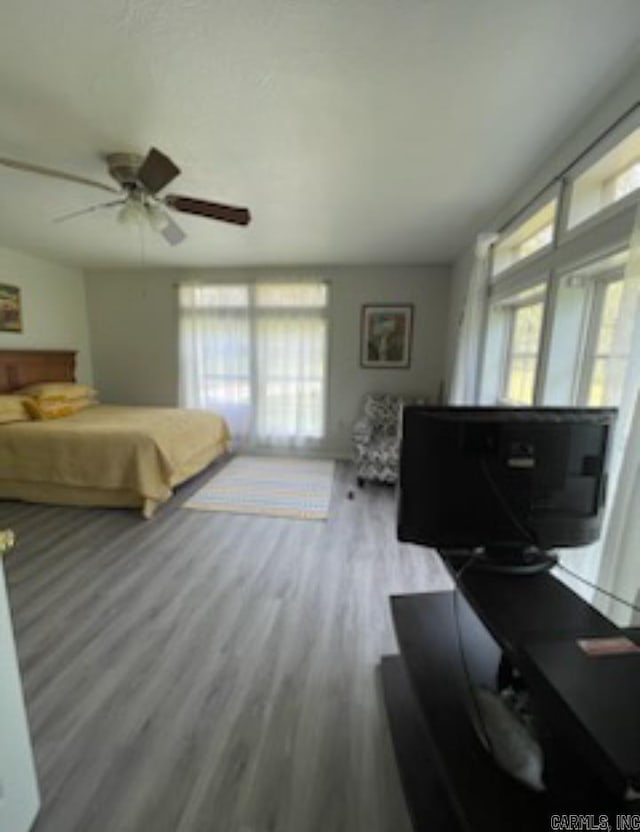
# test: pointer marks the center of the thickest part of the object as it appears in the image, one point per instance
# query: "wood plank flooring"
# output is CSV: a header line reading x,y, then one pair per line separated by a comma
x,y
210,672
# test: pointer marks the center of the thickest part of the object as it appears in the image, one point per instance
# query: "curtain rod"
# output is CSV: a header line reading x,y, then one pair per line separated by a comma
x,y
559,176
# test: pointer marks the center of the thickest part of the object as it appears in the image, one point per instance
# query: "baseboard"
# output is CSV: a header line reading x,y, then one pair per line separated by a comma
x,y
307,453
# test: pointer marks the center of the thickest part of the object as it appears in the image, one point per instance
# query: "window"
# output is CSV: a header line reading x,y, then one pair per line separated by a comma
x,y
512,346
591,334
534,242
513,333
614,176
257,353
290,355
530,237
581,347
606,372
215,351
609,338
623,183
524,328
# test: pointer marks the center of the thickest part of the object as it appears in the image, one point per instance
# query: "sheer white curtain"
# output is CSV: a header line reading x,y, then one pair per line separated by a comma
x,y
215,353
290,356
620,569
466,365
257,354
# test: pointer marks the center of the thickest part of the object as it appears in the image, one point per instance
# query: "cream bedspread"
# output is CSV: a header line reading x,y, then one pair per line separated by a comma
x,y
140,451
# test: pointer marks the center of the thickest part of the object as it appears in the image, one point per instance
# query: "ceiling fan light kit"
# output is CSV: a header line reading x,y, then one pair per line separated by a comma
x,y
131,213
140,179
157,216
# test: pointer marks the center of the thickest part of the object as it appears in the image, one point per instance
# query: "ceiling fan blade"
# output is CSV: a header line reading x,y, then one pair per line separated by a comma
x,y
56,174
157,171
212,210
172,232
89,210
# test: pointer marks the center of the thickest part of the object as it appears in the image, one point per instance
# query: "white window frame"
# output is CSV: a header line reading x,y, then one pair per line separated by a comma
x,y
603,147
609,184
551,194
600,235
595,305
511,309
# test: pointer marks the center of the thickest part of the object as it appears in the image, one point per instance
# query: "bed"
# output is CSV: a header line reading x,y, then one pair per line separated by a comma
x,y
105,455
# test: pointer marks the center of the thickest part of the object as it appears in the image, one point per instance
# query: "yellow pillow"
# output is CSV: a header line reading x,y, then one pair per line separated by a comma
x,y
58,390
44,409
12,409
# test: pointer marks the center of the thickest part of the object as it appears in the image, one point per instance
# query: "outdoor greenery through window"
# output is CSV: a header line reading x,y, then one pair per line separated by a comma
x,y
608,366
257,353
523,344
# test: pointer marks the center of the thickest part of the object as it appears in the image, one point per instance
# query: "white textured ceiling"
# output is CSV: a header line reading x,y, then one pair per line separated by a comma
x,y
355,130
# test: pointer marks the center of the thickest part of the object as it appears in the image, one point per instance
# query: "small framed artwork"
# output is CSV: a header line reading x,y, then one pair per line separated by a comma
x,y
385,336
10,309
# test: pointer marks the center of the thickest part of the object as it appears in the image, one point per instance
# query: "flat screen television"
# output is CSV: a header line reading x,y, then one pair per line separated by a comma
x,y
509,483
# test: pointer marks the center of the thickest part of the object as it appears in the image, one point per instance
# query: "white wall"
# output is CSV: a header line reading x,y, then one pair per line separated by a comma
x,y
54,316
54,312
133,322
19,798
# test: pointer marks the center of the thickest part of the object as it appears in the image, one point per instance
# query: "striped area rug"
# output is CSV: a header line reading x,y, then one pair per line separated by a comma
x,y
269,486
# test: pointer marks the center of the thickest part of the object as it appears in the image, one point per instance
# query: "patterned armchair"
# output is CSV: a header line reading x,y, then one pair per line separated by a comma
x,y
376,437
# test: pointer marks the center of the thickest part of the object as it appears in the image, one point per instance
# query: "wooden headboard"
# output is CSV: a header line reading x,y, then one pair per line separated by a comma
x,y
21,367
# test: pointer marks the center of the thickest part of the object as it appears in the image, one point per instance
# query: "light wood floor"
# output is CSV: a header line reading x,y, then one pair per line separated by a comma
x,y
208,671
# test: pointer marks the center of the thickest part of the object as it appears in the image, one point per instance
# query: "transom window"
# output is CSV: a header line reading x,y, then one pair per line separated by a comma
x,y
623,183
613,177
530,237
539,239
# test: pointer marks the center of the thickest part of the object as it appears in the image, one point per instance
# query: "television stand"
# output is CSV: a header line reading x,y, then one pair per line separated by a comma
x,y
587,707
506,560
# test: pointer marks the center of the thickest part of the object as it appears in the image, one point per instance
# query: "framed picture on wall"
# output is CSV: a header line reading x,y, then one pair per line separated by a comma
x,y
385,336
10,309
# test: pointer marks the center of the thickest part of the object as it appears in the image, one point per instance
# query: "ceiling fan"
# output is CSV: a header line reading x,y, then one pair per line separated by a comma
x,y
140,180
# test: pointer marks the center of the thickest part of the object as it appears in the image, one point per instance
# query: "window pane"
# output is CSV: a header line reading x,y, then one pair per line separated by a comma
x,y
526,329
523,353
521,381
530,236
536,241
515,380
612,347
607,379
627,181
610,314
291,356
223,391
597,387
612,177
286,295
214,296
